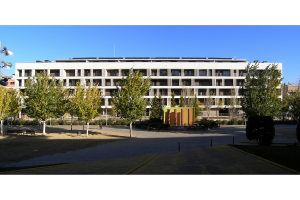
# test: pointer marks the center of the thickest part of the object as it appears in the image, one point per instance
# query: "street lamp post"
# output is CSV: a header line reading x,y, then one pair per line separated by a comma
x,y
4,81
5,64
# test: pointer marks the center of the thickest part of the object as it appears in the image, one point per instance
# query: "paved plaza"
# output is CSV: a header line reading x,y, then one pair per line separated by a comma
x,y
195,153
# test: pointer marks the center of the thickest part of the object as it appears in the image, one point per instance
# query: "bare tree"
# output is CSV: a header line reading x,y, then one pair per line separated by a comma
x,y
188,95
209,102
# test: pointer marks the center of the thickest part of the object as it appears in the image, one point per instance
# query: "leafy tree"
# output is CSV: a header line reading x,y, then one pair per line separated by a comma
x,y
261,91
285,103
87,103
4,105
173,102
155,109
113,111
43,98
15,105
161,104
181,101
209,102
129,99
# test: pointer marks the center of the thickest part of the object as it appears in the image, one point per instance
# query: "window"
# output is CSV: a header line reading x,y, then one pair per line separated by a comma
x,y
79,72
112,72
175,72
70,72
219,73
163,72
154,72
226,73
125,72
27,73
116,82
97,73
210,73
53,72
86,72
229,82
176,91
186,82
189,72
175,82
202,73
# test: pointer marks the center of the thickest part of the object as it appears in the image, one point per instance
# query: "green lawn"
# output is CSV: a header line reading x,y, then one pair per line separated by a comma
x,y
288,156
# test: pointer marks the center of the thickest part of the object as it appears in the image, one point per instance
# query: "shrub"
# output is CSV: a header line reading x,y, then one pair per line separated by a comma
x,y
261,129
234,121
152,125
121,122
110,121
219,121
208,124
241,122
224,122
20,122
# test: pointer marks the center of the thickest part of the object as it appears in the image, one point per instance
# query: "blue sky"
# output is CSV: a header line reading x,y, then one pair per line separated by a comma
x,y
263,42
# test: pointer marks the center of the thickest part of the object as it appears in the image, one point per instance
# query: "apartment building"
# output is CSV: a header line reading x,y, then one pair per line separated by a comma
x,y
168,74
288,88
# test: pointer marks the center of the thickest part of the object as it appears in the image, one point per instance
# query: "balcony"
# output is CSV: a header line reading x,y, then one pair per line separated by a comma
x,y
97,82
70,73
112,72
189,72
176,72
56,73
97,72
203,82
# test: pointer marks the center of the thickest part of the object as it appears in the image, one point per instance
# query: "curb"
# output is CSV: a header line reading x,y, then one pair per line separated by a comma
x,y
284,167
141,164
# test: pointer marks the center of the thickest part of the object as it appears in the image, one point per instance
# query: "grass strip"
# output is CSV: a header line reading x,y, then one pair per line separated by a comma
x,y
287,156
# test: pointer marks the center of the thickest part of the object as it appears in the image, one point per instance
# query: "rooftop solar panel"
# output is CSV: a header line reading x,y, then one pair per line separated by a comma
x,y
218,58
110,58
137,58
85,58
193,58
165,58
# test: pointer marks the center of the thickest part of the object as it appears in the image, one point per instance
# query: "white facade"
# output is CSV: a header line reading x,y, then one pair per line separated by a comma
x,y
167,74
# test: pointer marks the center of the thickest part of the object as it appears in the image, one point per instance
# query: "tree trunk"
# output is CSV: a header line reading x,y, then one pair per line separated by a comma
x,y
130,128
44,128
71,122
87,128
11,121
82,124
40,124
1,127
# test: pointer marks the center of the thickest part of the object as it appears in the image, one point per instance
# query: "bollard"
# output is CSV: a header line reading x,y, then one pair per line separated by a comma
x,y
178,146
78,132
210,142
